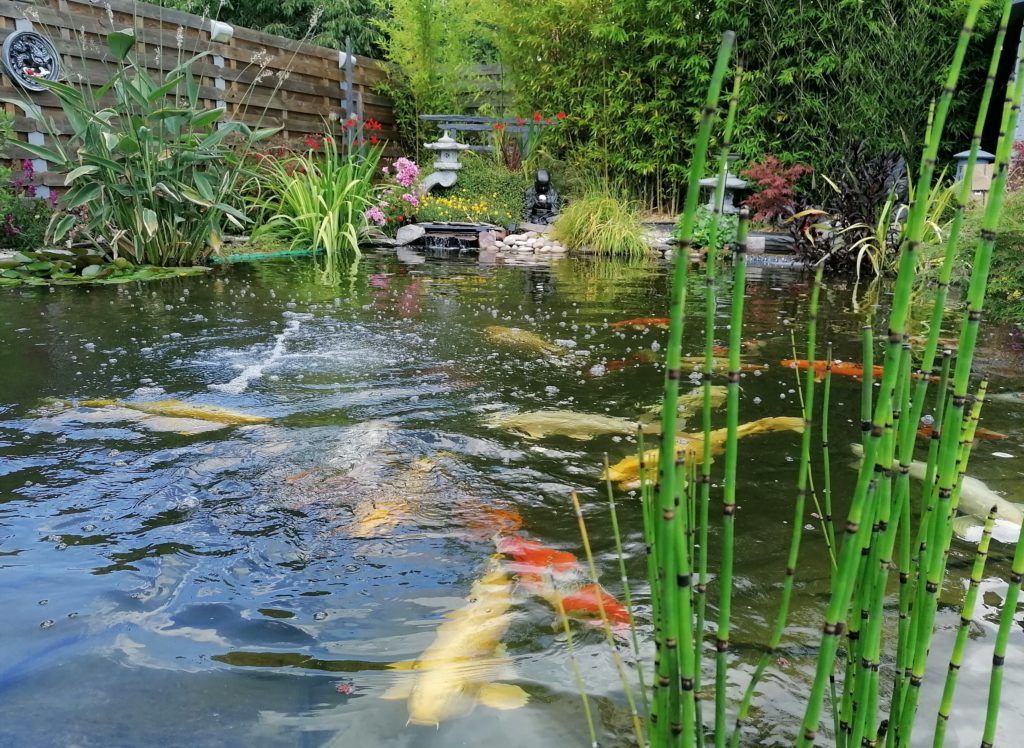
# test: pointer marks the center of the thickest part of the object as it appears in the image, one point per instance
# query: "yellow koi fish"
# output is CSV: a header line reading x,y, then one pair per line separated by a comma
x,y
691,448
538,424
457,670
513,336
179,409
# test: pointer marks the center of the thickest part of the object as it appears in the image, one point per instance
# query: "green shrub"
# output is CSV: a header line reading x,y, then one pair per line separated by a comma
x,y
150,163
603,222
23,220
486,192
728,225
1005,300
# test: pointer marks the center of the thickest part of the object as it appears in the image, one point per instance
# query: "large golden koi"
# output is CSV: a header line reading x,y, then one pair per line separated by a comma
x,y
457,670
691,448
513,336
538,424
179,409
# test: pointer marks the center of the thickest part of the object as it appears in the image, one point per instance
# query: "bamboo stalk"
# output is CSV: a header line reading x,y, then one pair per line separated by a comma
x,y
580,685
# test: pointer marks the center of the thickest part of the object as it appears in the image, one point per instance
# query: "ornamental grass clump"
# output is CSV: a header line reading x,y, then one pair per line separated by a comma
x,y
154,168
870,665
602,221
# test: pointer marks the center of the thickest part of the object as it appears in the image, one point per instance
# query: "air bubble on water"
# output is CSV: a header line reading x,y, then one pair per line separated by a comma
x,y
551,389
757,401
757,372
597,370
89,346
88,528
782,395
47,623
927,420
320,616
791,391
655,346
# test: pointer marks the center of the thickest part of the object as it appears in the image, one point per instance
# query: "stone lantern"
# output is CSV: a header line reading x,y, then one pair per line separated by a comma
x,y
446,165
984,172
733,185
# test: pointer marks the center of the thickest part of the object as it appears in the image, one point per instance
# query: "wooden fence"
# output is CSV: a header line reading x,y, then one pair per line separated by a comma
x,y
256,77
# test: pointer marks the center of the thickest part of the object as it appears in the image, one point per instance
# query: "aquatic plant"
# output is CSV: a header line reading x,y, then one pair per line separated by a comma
x,y
319,199
153,166
603,221
868,705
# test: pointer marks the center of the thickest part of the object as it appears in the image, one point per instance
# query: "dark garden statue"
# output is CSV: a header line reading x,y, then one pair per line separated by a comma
x,y
542,201
29,57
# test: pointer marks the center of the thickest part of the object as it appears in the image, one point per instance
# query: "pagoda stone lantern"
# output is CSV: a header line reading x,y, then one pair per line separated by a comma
x,y
984,172
733,185
446,165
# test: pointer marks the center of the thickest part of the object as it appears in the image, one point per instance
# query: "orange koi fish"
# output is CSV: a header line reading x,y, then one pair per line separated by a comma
x,y
588,601
532,561
535,558
925,432
641,322
842,368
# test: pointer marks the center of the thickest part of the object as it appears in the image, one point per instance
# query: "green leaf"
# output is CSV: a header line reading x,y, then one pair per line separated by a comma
x,y
205,185
81,194
93,271
31,110
81,171
121,42
150,221
55,157
161,91
264,133
207,118
62,227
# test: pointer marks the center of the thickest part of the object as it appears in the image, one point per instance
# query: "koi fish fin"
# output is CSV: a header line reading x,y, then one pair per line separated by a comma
x,y
399,691
503,696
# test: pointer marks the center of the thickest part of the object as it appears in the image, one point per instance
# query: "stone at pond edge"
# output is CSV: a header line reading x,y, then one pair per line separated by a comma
x,y
487,239
409,234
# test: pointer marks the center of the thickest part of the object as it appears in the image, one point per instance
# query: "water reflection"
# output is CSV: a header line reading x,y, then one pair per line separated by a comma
x,y
245,575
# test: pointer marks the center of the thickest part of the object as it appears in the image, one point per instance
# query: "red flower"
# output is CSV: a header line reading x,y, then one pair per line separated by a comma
x,y
560,115
350,122
499,126
400,218
548,121
520,121
373,140
312,142
536,117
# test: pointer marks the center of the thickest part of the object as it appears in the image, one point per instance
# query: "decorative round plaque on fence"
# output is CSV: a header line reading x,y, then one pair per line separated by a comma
x,y
29,57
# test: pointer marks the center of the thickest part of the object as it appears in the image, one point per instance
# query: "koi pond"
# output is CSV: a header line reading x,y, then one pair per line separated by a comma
x,y
233,508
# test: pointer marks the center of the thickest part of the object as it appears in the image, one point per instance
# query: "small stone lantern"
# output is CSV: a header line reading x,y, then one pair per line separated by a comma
x,y
733,185
446,165
984,171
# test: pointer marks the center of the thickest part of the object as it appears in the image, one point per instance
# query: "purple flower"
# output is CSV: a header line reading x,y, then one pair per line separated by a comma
x,y
406,172
376,215
411,199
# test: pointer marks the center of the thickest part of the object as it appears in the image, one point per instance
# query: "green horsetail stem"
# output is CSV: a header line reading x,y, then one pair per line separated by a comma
x,y
799,506
739,288
673,644
885,527
966,617
620,667
954,417
928,363
580,685
710,304
1006,624
627,596
826,462
856,529
867,382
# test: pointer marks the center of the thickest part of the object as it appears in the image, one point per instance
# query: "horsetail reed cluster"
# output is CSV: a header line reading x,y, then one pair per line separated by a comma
x,y
885,529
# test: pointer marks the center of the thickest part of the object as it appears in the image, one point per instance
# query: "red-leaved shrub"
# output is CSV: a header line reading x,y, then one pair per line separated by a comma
x,y
774,197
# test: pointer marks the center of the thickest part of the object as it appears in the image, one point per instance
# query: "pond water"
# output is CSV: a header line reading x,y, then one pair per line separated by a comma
x,y
251,585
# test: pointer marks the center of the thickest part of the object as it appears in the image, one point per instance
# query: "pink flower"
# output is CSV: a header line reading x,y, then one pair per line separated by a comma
x,y
406,172
411,199
376,215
